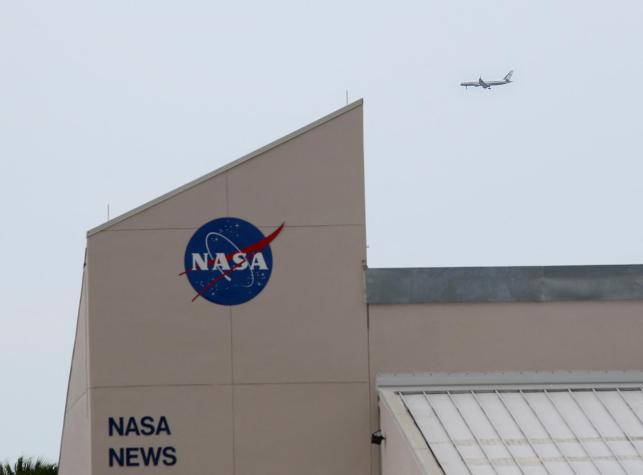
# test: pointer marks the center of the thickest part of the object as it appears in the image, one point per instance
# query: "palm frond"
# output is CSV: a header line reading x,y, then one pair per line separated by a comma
x,y
29,466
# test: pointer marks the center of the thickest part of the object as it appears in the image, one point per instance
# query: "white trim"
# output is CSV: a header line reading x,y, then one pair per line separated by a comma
x,y
422,453
510,379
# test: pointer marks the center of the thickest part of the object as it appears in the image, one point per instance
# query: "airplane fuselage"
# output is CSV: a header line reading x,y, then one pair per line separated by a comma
x,y
488,84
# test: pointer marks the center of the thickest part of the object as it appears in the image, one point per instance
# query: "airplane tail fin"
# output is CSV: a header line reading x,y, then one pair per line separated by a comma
x,y
508,76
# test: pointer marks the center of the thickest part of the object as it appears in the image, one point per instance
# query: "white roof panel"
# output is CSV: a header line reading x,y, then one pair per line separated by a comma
x,y
552,429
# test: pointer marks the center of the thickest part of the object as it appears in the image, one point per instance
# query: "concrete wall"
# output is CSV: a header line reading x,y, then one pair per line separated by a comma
x,y
278,385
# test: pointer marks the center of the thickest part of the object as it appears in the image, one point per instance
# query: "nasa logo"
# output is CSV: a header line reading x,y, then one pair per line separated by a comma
x,y
228,261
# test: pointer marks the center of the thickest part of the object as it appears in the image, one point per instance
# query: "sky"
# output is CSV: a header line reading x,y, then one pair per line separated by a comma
x,y
117,102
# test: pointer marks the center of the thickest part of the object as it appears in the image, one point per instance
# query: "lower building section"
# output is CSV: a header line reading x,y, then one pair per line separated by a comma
x,y
536,423
249,429
163,429
75,450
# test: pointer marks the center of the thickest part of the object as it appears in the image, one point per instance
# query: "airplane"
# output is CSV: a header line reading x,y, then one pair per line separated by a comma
x,y
487,84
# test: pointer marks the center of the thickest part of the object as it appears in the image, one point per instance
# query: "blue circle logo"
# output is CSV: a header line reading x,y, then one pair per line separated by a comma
x,y
228,261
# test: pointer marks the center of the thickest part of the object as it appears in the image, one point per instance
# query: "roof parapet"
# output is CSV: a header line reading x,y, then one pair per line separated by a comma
x,y
504,284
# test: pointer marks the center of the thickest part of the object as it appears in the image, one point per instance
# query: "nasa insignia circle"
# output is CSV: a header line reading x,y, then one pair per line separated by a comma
x,y
228,261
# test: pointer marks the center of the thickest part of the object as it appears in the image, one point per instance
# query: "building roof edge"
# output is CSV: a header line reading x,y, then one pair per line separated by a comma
x,y
226,167
504,284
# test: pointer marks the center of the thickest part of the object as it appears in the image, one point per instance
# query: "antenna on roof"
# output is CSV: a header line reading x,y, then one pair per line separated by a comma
x,y
346,96
107,211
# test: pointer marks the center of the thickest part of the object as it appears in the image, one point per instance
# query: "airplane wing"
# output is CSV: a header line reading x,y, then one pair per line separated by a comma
x,y
470,84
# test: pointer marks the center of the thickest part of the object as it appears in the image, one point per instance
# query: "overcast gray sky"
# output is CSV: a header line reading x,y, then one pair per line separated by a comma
x,y
120,101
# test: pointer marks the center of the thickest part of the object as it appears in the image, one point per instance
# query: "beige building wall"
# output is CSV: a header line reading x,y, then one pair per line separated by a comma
x,y
75,452
590,335
277,385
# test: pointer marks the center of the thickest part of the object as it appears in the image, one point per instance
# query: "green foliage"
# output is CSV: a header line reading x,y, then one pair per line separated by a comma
x,y
27,466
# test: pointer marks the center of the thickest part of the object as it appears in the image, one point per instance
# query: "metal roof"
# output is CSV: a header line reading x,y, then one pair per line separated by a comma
x,y
504,284
531,426
226,167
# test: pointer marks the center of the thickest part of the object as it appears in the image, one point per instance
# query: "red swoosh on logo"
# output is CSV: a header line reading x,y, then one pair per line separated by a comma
x,y
249,250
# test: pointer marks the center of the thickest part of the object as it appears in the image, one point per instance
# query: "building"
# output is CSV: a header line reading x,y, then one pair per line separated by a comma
x,y
232,326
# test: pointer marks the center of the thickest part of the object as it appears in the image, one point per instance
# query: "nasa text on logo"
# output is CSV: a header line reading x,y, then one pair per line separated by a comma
x,y
229,261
